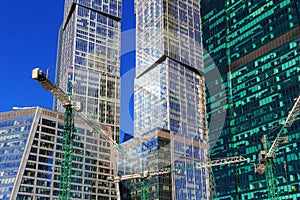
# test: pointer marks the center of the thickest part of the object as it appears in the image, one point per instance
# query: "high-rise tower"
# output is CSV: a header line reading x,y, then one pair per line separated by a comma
x,y
31,156
89,56
255,48
170,121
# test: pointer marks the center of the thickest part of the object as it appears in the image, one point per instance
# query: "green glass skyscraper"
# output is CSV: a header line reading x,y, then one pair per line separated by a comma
x,y
254,46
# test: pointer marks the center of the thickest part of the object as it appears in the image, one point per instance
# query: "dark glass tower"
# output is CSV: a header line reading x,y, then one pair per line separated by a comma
x,y
254,46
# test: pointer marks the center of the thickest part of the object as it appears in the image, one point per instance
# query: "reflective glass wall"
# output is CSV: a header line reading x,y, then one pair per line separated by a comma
x,y
90,58
169,93
255,48
168,28
31,146
14,135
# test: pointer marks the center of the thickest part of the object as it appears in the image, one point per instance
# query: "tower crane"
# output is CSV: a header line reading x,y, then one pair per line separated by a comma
x,y
267,155
167,170
69,128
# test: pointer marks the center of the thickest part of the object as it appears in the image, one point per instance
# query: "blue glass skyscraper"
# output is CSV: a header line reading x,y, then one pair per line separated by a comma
x,y
170,114
89,57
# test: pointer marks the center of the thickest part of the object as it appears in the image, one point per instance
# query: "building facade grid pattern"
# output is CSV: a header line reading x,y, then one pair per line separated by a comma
x,y
37,171
169,94
255,48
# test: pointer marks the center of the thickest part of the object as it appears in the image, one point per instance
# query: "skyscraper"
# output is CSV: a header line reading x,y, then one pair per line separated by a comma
x,y
89,57
254,46
31,156
170,121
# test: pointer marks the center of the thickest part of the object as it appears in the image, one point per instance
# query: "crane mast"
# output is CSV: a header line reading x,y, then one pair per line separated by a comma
x,y
67,147
267,155
69,129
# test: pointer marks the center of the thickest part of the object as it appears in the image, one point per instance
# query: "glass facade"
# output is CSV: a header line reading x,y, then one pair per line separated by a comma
x,y
152,153
32,169
169,95
167,28
89,56
255,47
14,134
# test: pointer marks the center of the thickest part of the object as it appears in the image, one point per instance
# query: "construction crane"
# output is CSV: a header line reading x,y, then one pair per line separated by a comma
x,y
167,170
69,129
266,156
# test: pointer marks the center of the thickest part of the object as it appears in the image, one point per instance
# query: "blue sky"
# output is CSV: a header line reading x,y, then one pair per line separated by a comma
x,y
28,36
28,39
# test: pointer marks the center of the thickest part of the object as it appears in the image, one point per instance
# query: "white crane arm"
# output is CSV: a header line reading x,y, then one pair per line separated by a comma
x,y
293,114
100,129
288,122
40,76
229,160
168,170
117,179
103,130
